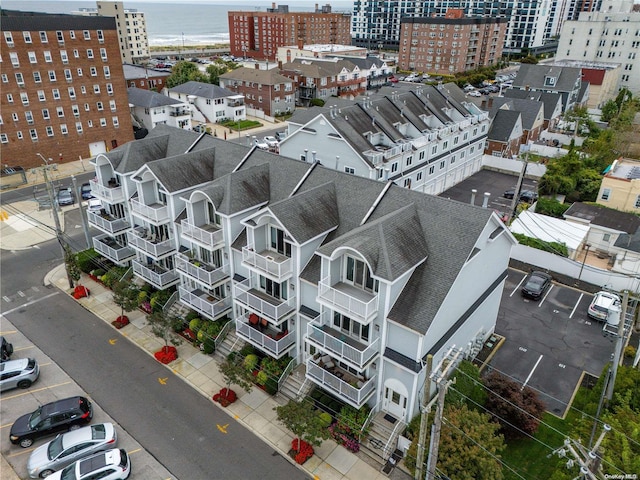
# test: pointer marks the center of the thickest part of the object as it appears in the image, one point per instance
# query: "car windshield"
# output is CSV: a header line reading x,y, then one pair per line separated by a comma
x,y
69,473
601,309
34,419
535,281
55,447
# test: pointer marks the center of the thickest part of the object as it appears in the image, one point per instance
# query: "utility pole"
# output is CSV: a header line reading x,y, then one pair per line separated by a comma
x,y
619,342
56,220
440,375
589,460
83,212
424,416
516,192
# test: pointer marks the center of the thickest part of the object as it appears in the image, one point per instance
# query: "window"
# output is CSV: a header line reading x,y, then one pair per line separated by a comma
x,y
14,59
99,106
89,53
32,57
350,170
43,37
107,72
5,78
350,327
49,130
34,134
45,114
606,193
86,34
278,242
60,36
14,116
4,138
79,72
115,121
36,77
83,89
72,34
103,122
407,183
100,36
19,135
103,54
79,127
434,150
93,71
64,57
56,94
28,115
394,167
637,204
9,98
109,89
47,56
409,160
72,93
431,169
52,75
8,37
96,88
76,53
357,273
67,74
27,37
75,110
20,79
60,112
419,176
24,98
41,96
63,129
86,107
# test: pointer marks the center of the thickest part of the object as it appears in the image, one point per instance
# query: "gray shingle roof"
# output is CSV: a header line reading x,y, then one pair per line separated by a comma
x,y
604,217
312,68
184,171
528,109
533,76
265,77
549,99
629,241
203,90
149,99
503,125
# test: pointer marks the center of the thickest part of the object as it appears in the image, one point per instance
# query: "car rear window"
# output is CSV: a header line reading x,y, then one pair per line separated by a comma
x,y
124,459
84,405
91,464
98,432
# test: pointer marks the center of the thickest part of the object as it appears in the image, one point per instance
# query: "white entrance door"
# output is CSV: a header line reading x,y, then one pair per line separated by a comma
x,y
395,399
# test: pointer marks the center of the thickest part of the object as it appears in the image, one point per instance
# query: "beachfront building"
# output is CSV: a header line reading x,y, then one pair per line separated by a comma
x,y
144,77
265,91
356,281
324,78
451,43
288,53
258,35
131,27
426,139
150,109
375,24
620,188
63,92
210,103
610,35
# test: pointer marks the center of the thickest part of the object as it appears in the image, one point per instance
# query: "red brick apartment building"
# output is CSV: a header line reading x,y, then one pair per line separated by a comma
x,y
64,94
450,44
259,34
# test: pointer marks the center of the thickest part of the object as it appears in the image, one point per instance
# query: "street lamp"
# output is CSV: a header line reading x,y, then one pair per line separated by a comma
x,y
587,247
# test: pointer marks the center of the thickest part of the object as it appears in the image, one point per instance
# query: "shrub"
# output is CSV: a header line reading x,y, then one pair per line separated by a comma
x,y
325,418
191,315
208,346
142,296
271,387
88,260
246,350
251,362
166,354
195,325
630,351
261,377
98,272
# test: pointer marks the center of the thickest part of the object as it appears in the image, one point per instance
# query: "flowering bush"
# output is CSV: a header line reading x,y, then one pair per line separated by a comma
x,y
80,292
166,354
146,306
121,321
225,397
341,433
301,450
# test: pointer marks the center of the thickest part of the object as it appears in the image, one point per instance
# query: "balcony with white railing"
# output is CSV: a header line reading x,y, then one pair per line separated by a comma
x,y
353,390
267,262
149,245
111,193
108,223
155,212
156,275
347,349
348,300
275,343
204,303
201,271
260,302
112,249
207,234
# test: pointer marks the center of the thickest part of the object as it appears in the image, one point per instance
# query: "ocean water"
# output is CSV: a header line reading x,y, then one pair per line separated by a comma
x,y
190,23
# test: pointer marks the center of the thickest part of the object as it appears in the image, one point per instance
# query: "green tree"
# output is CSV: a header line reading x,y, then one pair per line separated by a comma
x,y
71,264
234,372
125,295
609,110
301,418
529,59
184,72
162,326
468,387
214,70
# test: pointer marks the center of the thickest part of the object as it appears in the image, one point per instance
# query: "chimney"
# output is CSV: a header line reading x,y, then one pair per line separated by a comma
x,y
279,64
300,43
273,5
485,200
490,102
385,174
306,154
473,196
313,155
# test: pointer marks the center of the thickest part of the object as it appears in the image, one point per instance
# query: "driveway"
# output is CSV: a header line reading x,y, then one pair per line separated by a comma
x,y
550,342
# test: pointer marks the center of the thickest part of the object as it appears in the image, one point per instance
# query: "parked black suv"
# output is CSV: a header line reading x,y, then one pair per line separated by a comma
x,y
51,418
6,349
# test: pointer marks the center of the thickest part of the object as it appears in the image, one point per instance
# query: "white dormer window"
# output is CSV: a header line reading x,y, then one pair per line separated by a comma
x,y
549,81
278,242
357,273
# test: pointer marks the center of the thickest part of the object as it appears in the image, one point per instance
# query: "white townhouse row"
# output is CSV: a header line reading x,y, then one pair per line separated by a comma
x,y
424,138
355,279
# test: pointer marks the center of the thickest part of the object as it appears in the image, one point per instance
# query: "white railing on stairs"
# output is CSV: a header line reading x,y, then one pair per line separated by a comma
x,y
366,423
170,301
394,435
299,394
283,378
222,334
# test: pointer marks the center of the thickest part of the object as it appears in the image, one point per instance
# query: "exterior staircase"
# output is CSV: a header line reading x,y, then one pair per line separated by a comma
x,y
382,440
231,343
296,383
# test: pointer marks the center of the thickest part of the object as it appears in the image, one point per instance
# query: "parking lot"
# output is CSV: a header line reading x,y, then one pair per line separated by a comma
x,y
550,342
54,384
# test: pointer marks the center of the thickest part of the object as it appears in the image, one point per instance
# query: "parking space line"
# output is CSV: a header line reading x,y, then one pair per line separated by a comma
x,y
576,305
531,373
517,286
545,295
33,390
22,451
4,314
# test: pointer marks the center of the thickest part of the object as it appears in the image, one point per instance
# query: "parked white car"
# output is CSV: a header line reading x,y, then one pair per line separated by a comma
x,y
600,305
66,448
261,144
474,93
110,465
271,141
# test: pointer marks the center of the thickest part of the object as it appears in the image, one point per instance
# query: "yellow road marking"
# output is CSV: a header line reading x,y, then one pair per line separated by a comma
x,y
32,390
22,451
163,381
135,451
113,341
223,428
3,216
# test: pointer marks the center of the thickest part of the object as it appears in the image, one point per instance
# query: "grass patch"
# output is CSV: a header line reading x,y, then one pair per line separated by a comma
x,y
242,125
528,457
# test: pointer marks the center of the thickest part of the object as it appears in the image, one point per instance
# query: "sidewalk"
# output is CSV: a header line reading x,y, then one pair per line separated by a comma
x,y
254,410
